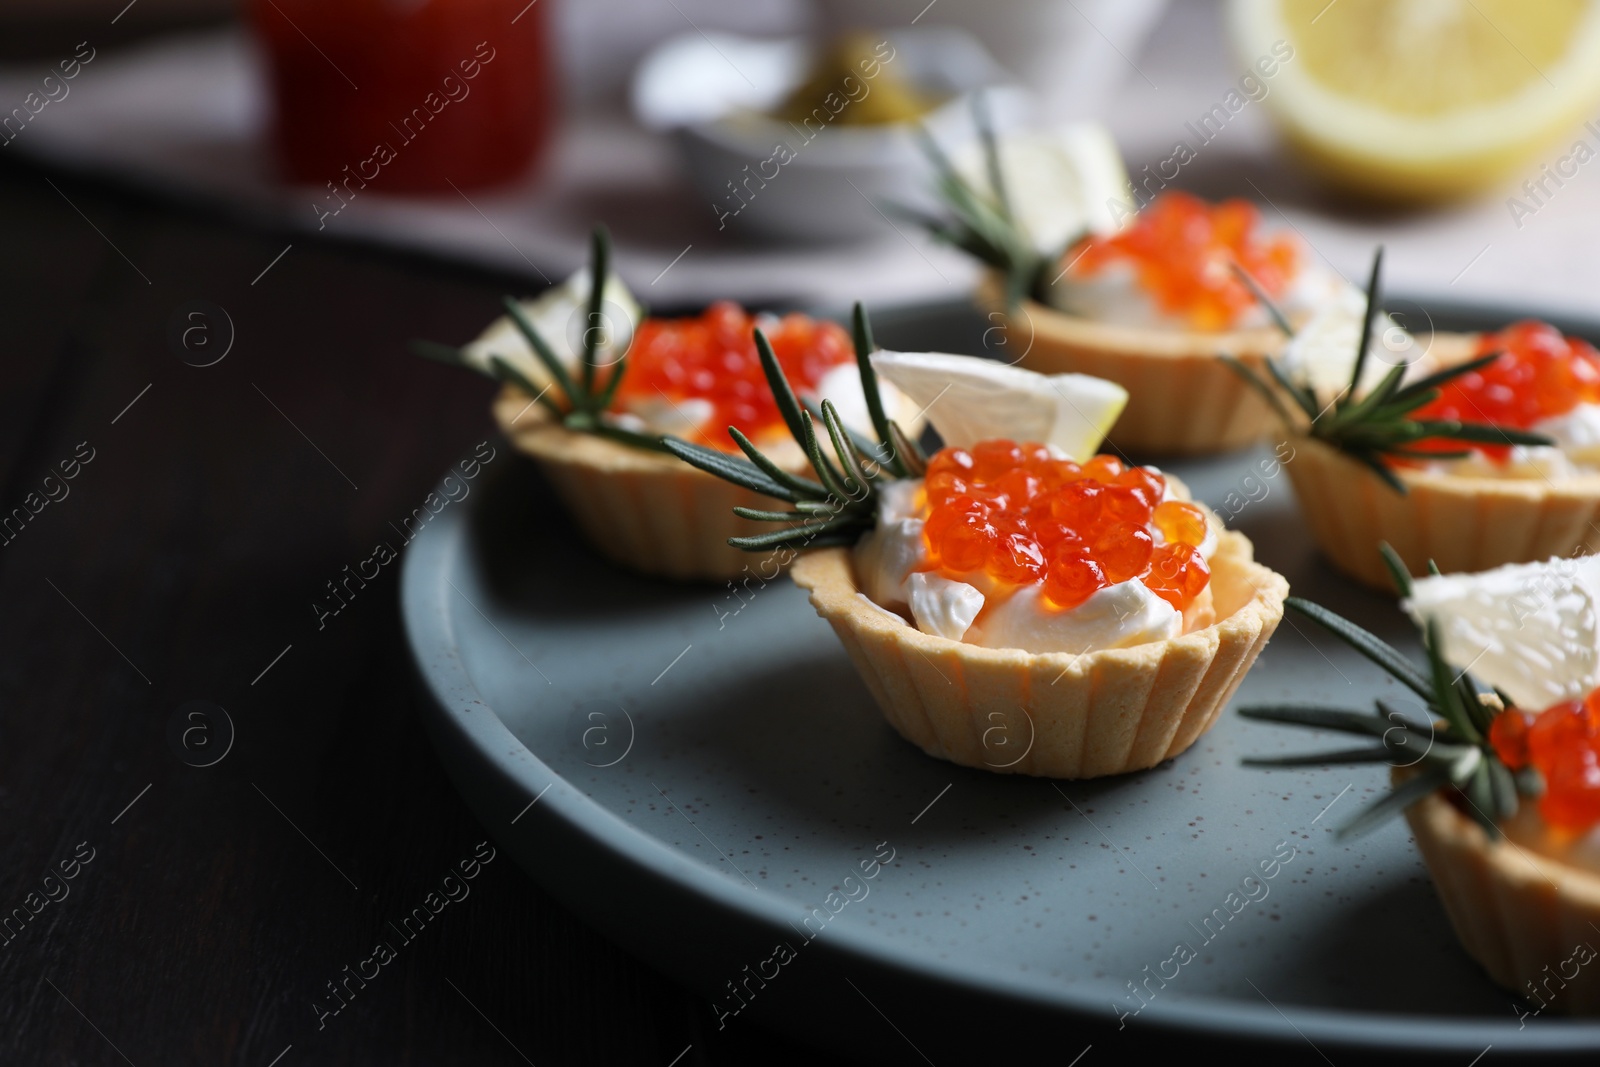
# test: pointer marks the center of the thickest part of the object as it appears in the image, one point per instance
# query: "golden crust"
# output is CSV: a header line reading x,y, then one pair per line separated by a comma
x,y
1182,399
1084,716
648,511
1461,523
1518,913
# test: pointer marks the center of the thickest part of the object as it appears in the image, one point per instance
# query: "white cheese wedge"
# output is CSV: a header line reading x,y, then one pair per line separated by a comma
x,y
1060,183
1322,354
560,316
1531,630
970,400
1117,616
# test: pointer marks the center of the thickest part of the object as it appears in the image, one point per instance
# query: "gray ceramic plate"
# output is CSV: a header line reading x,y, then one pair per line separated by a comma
x,y
701,774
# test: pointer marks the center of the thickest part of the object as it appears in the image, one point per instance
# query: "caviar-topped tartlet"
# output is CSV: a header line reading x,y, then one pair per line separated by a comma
x,y
1541,381
591,383
1500,778
1144,291
1015,602
1486,452
1172,266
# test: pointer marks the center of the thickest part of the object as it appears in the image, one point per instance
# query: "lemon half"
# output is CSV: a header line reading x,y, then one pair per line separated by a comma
x,y
1423,99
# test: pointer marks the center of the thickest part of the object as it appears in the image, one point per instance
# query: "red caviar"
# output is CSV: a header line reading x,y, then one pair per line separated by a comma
x,y
713,357
1022,516
1182,248
1540,375
1563,744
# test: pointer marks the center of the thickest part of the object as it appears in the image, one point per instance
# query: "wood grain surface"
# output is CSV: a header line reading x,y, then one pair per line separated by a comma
x,y
180,563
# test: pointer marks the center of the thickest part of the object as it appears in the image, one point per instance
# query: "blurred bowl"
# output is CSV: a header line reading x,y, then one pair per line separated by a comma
x,y
823,179
1074,57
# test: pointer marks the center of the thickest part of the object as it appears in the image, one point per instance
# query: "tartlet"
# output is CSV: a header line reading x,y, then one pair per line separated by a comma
x,y
1461,523
1099,713
1503,803
1009,608
1520,915
590,411
648,511
1148,292
1445,460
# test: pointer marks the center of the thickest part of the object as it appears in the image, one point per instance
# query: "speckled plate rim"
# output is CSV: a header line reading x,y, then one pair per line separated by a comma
x,y
502,778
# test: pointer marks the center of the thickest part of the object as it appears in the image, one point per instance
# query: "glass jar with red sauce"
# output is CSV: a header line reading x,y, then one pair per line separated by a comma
x,y
407,95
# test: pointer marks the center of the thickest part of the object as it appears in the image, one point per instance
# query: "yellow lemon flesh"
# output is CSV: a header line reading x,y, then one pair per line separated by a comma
x,y
1424,99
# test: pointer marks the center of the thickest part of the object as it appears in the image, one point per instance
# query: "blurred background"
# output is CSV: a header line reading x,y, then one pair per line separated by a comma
x,y
337,178
1447,131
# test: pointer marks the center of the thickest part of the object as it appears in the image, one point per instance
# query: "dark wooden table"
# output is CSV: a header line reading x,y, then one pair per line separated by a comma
x,y
211,905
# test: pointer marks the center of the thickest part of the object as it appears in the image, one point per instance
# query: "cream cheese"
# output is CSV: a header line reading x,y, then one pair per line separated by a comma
x,y
1576,434
886,556
1576,451
1117,616
941,606
1114,295
682,418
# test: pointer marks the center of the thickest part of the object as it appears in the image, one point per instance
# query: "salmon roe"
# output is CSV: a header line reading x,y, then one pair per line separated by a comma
x,y
1022,516
713,357
1539,375
1182,250
1563,744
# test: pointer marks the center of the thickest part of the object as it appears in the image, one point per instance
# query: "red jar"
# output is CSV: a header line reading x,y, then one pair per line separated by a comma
x,y
408,95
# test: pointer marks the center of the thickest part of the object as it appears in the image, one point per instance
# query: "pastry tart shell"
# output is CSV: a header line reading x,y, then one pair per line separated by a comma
x,y
1182,399
1082,716
1518,913
648,511
1461,523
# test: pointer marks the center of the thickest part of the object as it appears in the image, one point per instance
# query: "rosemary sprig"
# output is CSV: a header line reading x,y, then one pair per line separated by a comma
x,y
840,504
981,222
1379,426
1259,291
584,400
1450,749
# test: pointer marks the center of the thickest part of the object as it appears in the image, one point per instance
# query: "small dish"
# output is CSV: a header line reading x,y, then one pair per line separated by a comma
x,y
819,180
